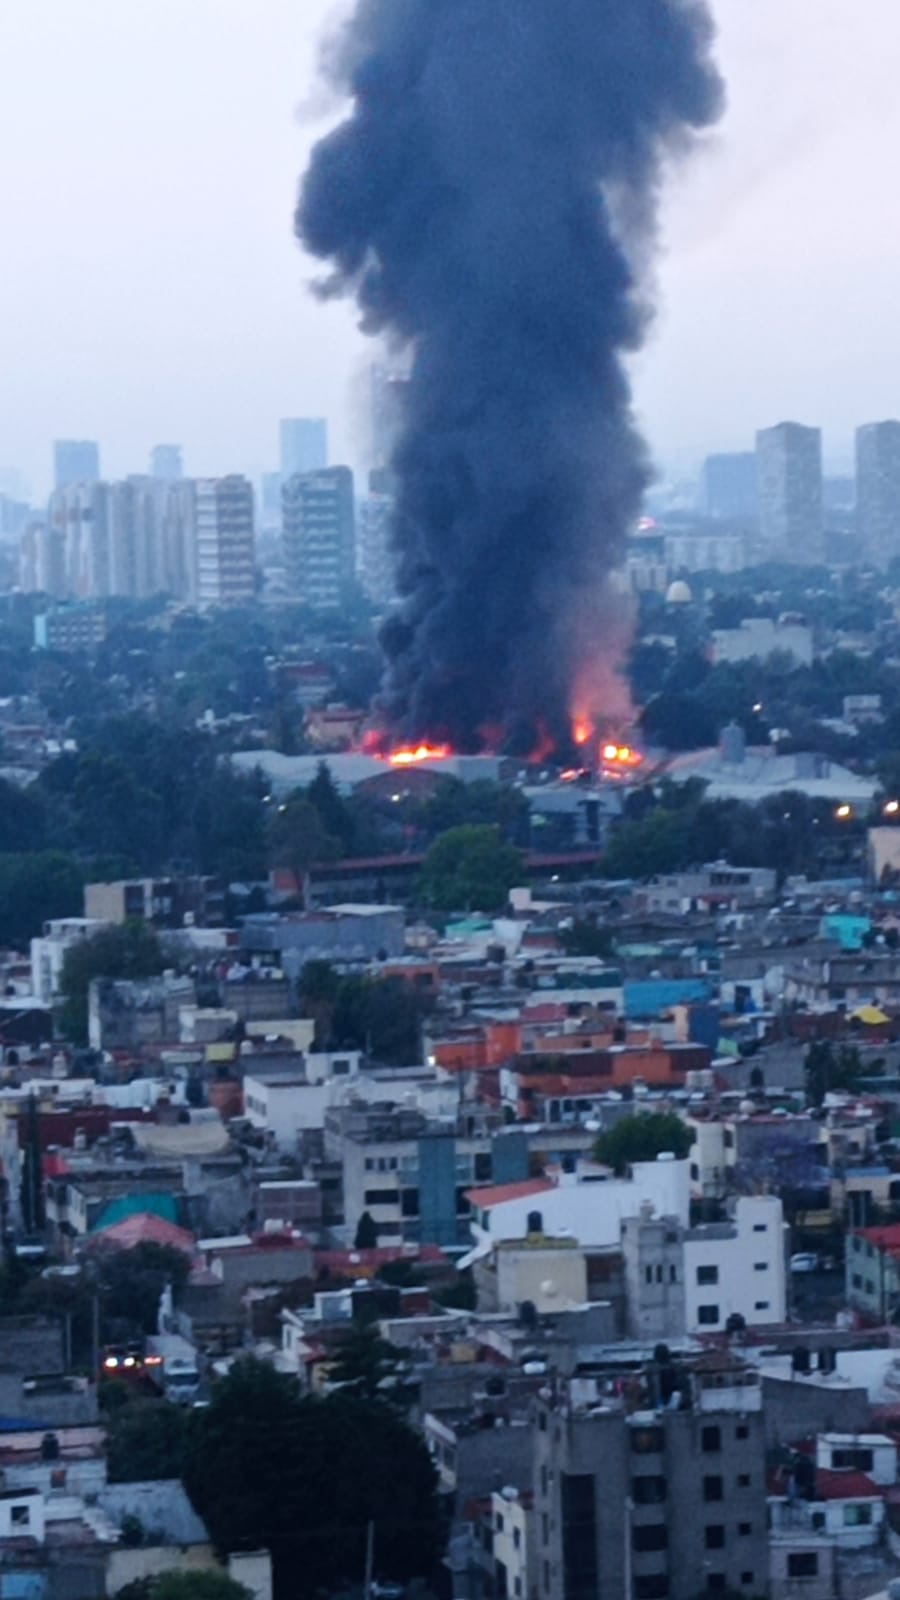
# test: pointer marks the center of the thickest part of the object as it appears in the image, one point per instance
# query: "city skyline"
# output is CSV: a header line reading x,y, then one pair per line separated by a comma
x,y
755,326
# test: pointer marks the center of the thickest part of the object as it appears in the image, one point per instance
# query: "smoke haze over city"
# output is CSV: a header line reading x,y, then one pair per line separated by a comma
x,y
187,208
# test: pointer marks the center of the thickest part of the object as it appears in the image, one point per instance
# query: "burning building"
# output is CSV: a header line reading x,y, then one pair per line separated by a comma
x,y
490,202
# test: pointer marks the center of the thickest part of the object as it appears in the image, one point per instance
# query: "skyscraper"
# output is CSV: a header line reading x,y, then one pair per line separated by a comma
x,y
374,549
389,391
789,461
165,462
75,461
729,487
304,445
878,489
319,537
223,541
80,516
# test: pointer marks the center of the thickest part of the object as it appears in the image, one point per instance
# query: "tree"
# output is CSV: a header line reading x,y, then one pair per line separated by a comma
x,y
836,1068
643,1138
366,1233
201,1584
367,1364
129,951
34,889
131,1282
297,840
305,1477
145,1439
470,869
382,1017
318,988
655,844
334,814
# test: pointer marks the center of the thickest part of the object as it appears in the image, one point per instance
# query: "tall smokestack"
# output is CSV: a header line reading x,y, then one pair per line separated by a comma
x,y
490,202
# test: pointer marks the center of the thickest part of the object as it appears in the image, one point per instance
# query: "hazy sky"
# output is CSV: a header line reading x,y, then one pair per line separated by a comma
x,y
150,288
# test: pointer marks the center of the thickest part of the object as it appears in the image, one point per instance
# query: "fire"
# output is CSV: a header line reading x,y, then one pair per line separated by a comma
x,y
621,755
412,756
581,731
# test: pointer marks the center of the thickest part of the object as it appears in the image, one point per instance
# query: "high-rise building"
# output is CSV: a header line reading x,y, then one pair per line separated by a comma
x,y
80,516
75,461
789,462
304,445
665,1500
319,537
729,487
166,463
223,541
137,514
878,489
390,392
375,566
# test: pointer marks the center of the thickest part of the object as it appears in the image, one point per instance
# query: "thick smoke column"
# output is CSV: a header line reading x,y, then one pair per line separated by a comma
x,y
490,201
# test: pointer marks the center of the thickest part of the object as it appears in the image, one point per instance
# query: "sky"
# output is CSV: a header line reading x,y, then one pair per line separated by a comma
x,y
151,289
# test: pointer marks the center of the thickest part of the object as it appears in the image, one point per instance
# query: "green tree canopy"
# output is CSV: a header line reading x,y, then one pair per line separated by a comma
x,y
836,1068
471,868
33,890
367,1364
305,1477
131,1281
366,1236
643,1138
129,951
145,1440
297,840
200,1584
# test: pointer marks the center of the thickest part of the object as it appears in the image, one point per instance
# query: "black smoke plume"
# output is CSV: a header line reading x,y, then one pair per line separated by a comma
x,y
490,201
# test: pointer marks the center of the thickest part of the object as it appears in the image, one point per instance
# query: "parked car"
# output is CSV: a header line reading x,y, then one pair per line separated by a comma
x,y
804,1261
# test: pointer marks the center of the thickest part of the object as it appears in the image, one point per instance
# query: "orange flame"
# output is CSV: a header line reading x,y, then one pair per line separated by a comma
x,y
581,730
422,752
622,755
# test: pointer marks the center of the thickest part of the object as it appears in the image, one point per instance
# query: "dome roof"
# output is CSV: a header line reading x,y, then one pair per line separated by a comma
x,y
679,594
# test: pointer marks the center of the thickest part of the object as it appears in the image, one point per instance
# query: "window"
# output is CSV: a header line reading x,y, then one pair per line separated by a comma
x,y
856,1280
646,1441
707,1274
742,1431
715,1582
517,1539
545,1528
746,1580
760,1266
870,1287
673,1274
803,1564
381,1197
708,1316
714,1536
760,1227
20,1516
857,1460
743,1481
648,1274
712,1488
653,1586
745,1529
857,1516
579,1535
650,1536
711,1438
761,1305
648,1491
